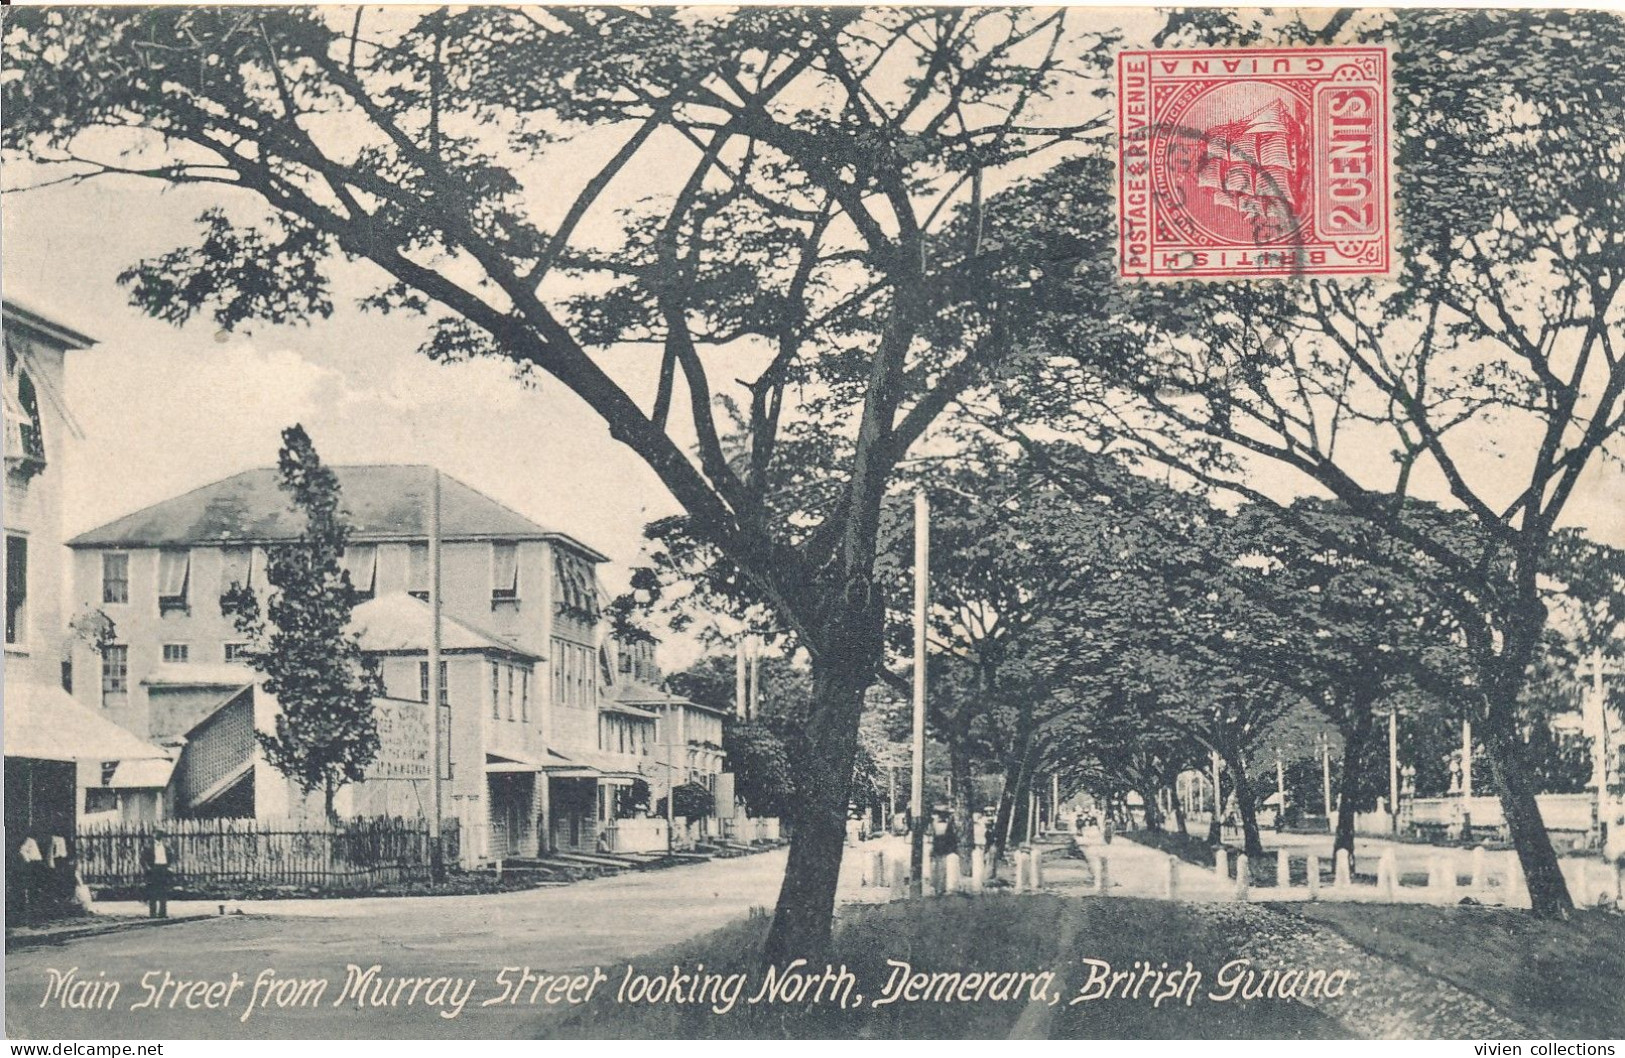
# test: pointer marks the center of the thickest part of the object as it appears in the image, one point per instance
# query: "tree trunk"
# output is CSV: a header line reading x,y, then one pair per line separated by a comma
x,y
1252,844
1355,736
806,907
1548,892
1021,804
1503,680
1015,788
1153,814
1215,827
959,768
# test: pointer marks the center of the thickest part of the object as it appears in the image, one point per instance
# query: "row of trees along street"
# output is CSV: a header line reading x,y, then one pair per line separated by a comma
x,y
862,245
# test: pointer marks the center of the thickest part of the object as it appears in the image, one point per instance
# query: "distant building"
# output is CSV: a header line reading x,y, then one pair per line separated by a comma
x,y
686,737
530,594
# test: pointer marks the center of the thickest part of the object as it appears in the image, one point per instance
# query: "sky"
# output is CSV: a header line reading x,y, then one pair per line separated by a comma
x,y
166,409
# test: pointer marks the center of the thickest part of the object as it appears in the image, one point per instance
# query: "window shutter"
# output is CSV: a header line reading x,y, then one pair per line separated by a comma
x,y
361,562
174,567
504,571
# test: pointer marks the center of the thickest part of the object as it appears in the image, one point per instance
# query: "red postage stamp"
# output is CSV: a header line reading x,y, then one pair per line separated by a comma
x,y
1236,163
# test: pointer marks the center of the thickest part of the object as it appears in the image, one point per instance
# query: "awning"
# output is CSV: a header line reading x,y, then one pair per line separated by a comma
x,y
559,766
509,764
141,775
609,705
612,770
43,722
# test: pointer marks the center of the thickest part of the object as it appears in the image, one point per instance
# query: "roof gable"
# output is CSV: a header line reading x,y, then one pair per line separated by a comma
x,y
398,623
382,502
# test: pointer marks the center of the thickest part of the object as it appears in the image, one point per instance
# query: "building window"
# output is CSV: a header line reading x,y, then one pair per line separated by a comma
x,y
174,575
237,652
361,563
496,691
417,570
626,663
100,800
510,691
115,671
504,573
16,589
236,568
25,441
176,653
423,682
116,577
372,671
524,696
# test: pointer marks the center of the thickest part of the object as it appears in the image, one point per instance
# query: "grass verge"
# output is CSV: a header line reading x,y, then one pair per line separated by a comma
x,y
1566,979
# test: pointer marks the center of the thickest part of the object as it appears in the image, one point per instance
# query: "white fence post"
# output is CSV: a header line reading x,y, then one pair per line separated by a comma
x,y
1388,875
978,869
1283,869
1038,869
950,873
1102,873
1221,862
899,881
1313,863
1242,877
1442,878
1021,872
1171,883
1344,870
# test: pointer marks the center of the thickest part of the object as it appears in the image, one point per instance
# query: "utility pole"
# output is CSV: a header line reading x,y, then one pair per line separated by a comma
x,y
922,598
1393,768
753,705
1280,790
1466,760
1601,752
740,708
1326,776
437,860
671,775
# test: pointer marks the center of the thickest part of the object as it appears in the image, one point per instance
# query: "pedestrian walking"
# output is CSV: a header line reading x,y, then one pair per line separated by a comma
x,y
157,879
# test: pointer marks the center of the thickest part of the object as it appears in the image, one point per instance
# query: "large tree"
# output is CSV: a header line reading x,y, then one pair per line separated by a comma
x,y
1489,375
788,208
326,730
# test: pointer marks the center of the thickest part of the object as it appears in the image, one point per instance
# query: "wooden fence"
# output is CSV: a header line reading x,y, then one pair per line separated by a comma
x,y
354,854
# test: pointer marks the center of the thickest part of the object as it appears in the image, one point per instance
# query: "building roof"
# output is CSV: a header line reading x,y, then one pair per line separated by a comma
x,y
384,502
188,674
43,722
610,705
640,693
398,623
36,321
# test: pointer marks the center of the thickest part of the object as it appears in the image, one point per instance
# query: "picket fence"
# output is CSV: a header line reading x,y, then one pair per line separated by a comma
x,y
353,854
